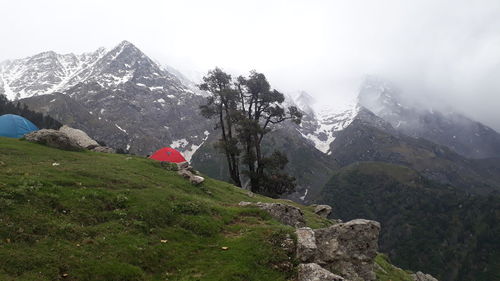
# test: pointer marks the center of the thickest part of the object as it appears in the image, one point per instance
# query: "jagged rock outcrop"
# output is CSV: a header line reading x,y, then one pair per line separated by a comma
x,y
314,272
53,138
323,210
348,249
79,137
306,244
286,214
420,276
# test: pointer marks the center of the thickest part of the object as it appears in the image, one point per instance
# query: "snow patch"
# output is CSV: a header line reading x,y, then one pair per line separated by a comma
x,y
304,196
188,150
120,128
329,123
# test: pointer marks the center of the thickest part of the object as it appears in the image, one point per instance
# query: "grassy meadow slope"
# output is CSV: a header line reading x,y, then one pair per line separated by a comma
x,y
95,216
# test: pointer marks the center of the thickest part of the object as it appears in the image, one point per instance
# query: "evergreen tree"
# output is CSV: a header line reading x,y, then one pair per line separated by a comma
x,y
261,107
246,110
40,120
222,105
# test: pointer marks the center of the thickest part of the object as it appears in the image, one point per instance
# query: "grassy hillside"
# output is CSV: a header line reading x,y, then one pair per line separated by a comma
x,y
426,226
93,216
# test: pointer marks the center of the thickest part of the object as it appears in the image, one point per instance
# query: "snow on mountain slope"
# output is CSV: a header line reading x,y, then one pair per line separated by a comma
x,y
321,125
44,73
49,72
122,90
330,122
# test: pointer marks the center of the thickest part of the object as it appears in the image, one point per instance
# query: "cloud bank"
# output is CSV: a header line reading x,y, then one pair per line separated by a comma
x,y
446,50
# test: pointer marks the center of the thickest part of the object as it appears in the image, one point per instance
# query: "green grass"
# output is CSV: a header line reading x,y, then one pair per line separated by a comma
x,y
99,216
385,271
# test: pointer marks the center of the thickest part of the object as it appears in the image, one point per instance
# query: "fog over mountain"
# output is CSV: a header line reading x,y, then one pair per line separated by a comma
x,y
438,52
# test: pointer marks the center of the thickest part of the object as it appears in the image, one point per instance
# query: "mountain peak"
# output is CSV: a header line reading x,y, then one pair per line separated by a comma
x,y
305,102
125,46
125,43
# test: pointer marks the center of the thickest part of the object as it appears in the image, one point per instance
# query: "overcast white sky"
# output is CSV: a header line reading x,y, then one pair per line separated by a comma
x,y
446,49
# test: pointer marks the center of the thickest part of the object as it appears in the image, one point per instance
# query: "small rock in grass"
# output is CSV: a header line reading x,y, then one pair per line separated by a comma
x,y
323,210
244,204
196,179
224,248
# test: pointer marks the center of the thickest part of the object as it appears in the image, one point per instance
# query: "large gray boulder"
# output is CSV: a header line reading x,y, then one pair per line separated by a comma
x,y
306,244
54,139
349,249
323,210
79,136
286,214
314,272
420,276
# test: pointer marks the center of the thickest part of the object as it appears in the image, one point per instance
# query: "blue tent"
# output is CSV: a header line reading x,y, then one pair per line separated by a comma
x,y
15,126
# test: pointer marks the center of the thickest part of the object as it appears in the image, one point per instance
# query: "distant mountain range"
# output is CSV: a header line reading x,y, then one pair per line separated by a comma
x,y
379,143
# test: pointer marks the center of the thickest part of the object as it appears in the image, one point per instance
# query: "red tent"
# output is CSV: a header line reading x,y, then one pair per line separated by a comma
x,y
168,154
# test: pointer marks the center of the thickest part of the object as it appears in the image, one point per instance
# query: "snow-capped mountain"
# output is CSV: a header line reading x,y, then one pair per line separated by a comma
x,y
442,126
132,102
45,73
445,127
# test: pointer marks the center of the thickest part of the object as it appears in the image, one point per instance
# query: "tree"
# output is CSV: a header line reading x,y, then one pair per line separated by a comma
x,y
222,105
261,108
40,120
247,109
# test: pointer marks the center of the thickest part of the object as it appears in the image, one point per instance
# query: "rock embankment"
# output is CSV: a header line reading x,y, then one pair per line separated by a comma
x,y
347,249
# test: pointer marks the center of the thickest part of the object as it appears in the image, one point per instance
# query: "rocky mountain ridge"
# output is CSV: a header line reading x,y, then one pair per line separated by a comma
x,y
121,96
